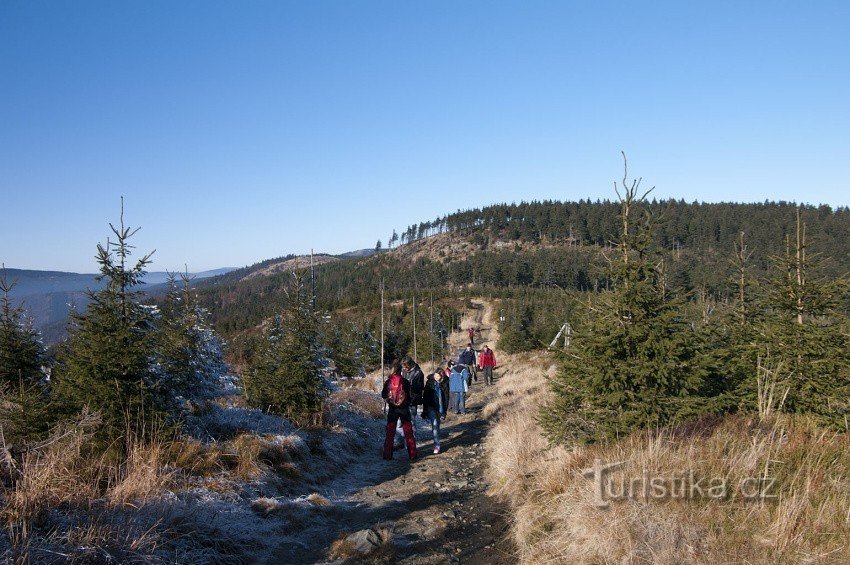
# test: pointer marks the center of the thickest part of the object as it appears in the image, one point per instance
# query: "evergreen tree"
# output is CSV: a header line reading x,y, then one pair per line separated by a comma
x,y
516,332
25,412
20,345
347,346
189,356
801,329
285,375
106,362
634,360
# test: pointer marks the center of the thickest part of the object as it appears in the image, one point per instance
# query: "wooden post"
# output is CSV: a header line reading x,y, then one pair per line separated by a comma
x,y
431,330
312,282
383,374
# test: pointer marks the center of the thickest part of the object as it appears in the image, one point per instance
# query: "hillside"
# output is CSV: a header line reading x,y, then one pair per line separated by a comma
x,y
291,264
538,247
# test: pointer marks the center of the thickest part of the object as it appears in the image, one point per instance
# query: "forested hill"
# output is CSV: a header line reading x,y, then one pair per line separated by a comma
x,y
681,224
529,247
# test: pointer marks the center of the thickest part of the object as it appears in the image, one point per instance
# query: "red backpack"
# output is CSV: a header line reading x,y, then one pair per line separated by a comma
x,y
395,391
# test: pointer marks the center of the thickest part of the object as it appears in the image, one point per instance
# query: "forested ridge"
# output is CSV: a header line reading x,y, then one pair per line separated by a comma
x,y
533,251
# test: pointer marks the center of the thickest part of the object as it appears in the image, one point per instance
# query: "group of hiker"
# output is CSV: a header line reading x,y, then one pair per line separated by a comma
x,y
408,390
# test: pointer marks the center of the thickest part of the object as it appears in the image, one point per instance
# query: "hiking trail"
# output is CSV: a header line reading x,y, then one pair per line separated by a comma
x,y
436,507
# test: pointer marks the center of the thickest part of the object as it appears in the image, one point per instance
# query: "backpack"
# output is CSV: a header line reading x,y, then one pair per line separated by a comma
x,y
395,391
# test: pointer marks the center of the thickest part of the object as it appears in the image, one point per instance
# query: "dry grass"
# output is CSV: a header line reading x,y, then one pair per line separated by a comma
x,y
265,505
344,549
197,458
51,474
802,516
253,455
318,500
68,472
359,400
142,476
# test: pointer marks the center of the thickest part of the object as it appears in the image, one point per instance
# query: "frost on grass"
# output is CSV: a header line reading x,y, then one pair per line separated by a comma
x,y
238,485
215,422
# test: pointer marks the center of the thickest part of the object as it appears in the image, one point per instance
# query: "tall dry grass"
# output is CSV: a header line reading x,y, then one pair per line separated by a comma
x,y
69,471
782,488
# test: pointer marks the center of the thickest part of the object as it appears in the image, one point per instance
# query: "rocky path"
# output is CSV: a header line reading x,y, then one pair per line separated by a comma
x,y
435,507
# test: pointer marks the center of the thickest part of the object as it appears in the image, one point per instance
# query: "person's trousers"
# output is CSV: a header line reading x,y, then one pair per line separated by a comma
x,y
434,417
399,432
488,375
458,402
395,414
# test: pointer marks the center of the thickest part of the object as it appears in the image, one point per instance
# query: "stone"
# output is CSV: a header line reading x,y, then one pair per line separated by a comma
x,y
364,541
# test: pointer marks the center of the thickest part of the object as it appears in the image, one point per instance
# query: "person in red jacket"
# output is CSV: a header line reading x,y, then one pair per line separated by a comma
x,y
487,360
471,333
397,394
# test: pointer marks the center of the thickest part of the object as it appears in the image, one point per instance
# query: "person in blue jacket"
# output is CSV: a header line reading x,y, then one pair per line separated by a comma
x,y
458,387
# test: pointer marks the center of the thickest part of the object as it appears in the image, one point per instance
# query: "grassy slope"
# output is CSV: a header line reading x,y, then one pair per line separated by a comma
x,y
555,514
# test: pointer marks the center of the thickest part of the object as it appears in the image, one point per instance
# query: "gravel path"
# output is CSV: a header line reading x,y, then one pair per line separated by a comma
x,y
436,507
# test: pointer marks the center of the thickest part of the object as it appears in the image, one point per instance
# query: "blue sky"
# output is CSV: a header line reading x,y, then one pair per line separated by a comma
x,y
240,131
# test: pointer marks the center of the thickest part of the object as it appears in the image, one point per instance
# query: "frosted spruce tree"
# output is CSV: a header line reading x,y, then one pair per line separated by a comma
x,y
189,361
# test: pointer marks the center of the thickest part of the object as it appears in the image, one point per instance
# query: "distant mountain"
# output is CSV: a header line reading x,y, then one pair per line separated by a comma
x,y
49,296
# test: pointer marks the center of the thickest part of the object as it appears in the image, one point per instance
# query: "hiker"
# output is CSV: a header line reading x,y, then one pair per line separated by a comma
x,y
467,357
471,333
411,371
435,402
397,394
457,387
487,361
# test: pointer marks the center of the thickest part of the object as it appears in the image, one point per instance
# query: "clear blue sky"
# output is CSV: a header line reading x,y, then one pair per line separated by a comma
x,y
241,131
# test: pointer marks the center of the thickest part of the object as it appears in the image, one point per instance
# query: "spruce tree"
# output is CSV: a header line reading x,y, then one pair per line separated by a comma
x,y
106,362
801,329
20,345
344,344
634,361
189,356
285,375
25,412
516,335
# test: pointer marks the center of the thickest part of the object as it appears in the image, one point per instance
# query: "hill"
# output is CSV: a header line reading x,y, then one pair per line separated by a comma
x,y
539,248
290,264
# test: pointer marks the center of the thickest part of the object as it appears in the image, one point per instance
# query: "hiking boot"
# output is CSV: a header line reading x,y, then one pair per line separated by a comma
x,y
436,449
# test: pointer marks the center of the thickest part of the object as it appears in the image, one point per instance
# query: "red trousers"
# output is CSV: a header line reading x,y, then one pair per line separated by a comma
x,y
393,415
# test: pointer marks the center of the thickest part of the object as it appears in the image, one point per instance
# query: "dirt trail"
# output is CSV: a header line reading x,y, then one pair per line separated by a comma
x,y
436,507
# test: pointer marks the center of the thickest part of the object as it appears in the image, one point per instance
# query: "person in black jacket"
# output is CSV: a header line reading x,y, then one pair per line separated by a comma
x,y
412,372
398,387
467,358
435,402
